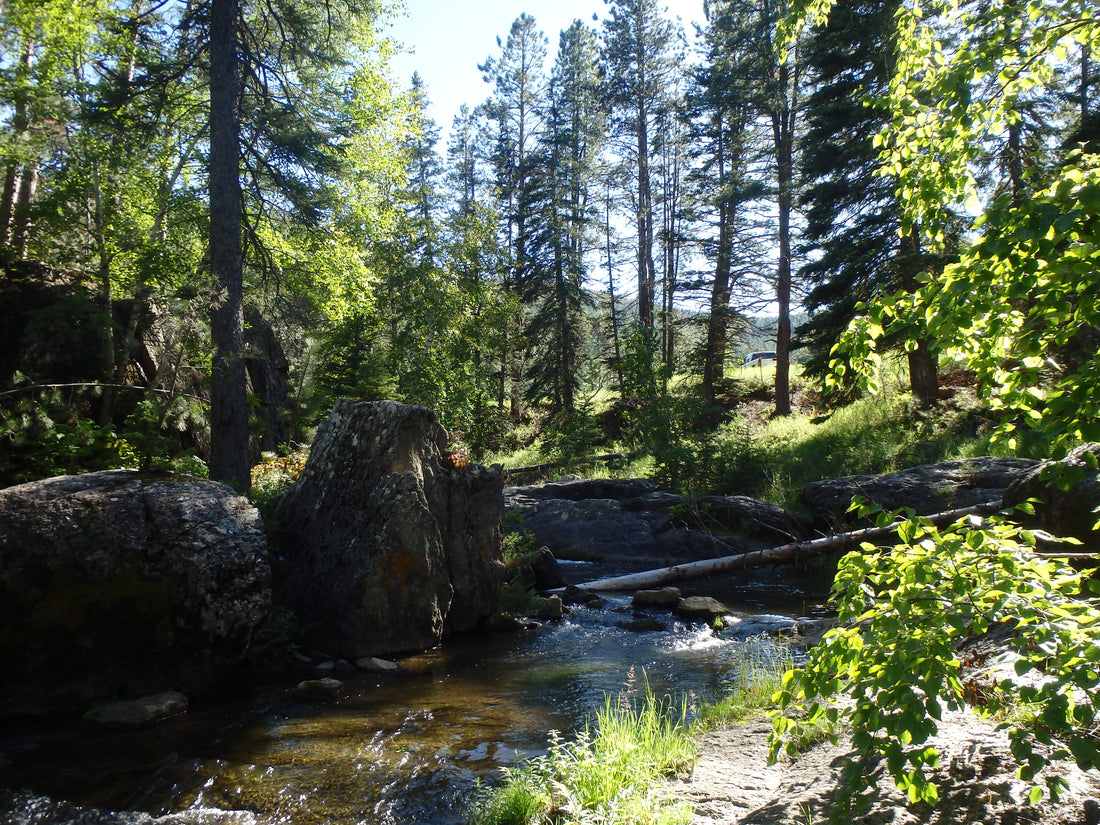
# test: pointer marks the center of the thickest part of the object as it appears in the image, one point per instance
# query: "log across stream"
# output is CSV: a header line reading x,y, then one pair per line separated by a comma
x,y
782,554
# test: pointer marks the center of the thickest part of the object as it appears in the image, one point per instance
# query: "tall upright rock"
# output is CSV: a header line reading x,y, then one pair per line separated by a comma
x,y
387,541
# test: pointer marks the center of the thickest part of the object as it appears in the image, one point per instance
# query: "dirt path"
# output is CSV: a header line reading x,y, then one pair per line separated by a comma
x,y
733,784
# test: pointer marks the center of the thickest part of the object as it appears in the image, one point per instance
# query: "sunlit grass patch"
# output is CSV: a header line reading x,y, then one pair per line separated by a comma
x,y
775,459
759,676
611,773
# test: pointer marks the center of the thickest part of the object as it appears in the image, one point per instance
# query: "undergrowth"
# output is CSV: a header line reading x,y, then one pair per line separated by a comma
x,y
776,459
772,458
273,475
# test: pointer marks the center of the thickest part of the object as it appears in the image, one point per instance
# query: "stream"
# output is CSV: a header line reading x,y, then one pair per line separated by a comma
x,y
393,749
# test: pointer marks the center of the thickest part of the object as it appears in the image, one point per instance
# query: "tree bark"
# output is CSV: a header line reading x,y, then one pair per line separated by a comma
x,y
229,458
924,380
783,129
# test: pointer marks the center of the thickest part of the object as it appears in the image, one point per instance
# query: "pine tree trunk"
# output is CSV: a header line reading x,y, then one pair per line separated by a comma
x,y
614,310
646,276
783,126
229,458
714,358
924,374
924,380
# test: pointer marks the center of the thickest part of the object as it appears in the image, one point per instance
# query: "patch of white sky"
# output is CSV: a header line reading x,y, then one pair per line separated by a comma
x,y
445,40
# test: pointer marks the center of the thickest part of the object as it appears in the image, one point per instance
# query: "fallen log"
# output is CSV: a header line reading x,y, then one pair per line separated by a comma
x,y
772,555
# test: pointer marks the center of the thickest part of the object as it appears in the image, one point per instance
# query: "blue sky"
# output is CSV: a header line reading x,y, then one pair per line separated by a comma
x,y
448,38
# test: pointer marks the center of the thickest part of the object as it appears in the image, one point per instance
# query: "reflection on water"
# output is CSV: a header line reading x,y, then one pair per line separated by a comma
x,y
403,748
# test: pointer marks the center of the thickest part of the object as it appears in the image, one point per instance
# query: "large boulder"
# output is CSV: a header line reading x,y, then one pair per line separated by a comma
x,y
120,584
389,542
1073,511
930,488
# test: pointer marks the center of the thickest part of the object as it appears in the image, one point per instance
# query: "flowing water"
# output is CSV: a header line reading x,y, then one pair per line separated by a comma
x,y
403,748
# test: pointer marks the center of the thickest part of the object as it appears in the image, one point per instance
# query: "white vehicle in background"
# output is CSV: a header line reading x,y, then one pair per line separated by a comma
x,y
759,359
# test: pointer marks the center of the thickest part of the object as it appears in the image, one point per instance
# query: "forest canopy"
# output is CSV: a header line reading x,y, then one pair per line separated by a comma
x,y
588,254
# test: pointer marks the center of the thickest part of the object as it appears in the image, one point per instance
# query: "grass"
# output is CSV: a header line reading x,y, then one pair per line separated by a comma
x,y
759,676
615,772
610,774
775,459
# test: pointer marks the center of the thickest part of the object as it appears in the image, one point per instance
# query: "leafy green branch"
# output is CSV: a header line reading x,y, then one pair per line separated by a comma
x,y
905,611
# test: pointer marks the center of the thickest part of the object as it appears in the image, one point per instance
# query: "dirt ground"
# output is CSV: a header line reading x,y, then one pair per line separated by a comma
x,y
734,785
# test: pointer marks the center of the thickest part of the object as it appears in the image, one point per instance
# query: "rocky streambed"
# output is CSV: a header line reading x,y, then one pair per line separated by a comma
x,y
407,746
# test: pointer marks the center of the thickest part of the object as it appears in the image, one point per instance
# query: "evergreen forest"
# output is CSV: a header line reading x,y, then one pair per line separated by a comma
x,y
218,216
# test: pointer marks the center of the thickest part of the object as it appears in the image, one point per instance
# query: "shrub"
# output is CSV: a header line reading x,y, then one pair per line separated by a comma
x,y
904,612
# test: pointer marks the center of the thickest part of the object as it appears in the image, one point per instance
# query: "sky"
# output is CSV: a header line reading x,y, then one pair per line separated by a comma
x,y
448,38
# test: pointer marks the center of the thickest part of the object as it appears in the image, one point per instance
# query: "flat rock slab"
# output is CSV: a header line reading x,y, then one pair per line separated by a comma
x,y
733,784
929,488
638,519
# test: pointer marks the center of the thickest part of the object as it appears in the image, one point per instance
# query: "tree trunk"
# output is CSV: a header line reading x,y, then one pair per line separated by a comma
x,y
783,126
20,178
714,356
229,458
924,380
646,274
795,551
615,337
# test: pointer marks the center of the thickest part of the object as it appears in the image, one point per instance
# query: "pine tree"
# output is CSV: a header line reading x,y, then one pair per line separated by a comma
x,y
719,117
514,109
229,450
559,196
769,82
638,52
853,241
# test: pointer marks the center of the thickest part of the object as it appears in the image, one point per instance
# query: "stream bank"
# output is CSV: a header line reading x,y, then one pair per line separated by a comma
x,y
733,784
388,749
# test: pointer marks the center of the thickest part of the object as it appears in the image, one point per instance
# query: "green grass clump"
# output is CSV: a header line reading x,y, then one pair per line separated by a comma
x,y
610,775
759,676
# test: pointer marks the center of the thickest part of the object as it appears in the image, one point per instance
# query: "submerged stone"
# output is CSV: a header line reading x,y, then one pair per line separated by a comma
x,y
139,712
